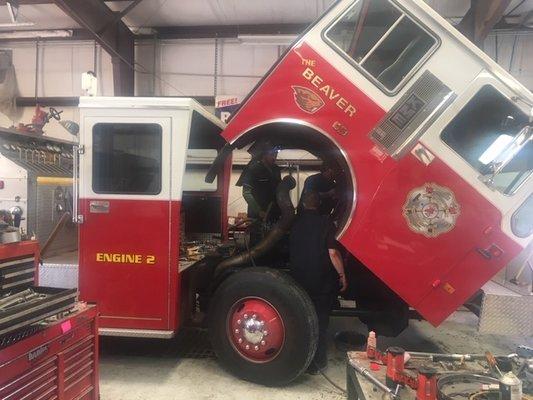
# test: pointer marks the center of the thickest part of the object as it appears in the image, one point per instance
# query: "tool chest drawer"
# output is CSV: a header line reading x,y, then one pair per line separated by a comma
x,y
58,362
18,265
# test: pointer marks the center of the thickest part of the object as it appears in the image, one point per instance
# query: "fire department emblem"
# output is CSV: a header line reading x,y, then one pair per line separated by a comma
x,y
431,210
307,100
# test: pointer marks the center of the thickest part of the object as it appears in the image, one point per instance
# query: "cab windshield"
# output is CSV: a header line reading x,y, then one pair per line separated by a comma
x,y
487,127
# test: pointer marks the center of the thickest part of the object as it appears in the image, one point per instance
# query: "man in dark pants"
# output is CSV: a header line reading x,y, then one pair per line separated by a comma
x,y
259,181
317,265
324,184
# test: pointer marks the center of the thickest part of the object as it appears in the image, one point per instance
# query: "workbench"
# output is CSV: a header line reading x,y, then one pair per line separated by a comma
x,y
360,388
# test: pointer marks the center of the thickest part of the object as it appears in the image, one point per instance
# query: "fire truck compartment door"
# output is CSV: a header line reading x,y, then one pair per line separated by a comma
x,y
124,240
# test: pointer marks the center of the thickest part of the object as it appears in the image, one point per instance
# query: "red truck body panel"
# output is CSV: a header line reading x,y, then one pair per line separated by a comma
x,y
433,275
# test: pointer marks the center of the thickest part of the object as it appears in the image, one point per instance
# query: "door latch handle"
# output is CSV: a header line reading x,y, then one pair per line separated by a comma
x,y
491,252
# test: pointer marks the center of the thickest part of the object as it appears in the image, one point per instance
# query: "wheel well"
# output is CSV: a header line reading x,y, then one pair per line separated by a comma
x,y
295,134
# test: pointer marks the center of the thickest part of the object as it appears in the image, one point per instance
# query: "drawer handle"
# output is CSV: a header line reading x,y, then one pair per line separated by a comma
x,y
68,337
492,252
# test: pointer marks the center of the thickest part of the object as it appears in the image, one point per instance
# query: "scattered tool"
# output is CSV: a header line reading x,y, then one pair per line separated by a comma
x,y
493,364
371,378
39,120
19,298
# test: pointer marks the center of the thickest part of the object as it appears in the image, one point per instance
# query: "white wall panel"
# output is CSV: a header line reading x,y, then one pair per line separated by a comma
x,y
60,67
186,67
514,53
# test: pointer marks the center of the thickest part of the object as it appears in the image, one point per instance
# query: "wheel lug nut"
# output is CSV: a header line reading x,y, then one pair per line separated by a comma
x,y
245,316
240,340
263,342
239,322
247,347
254,316
256,348
236,331
265,333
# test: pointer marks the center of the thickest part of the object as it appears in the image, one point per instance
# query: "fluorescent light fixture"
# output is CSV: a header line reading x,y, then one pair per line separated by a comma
x,y
267,40
496,149
12,25
36,34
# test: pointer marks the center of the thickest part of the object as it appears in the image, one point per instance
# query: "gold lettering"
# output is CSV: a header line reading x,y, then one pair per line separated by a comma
x,y
330,93
308,74
333,95
118,258
150,260
342,103
317,80
351,110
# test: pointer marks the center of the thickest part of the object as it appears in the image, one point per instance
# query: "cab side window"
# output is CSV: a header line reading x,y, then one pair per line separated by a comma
x,y
522,219
127,158
385,43
489,130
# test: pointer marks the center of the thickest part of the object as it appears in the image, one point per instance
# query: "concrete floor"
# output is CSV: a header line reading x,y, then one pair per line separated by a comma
x,y
136,369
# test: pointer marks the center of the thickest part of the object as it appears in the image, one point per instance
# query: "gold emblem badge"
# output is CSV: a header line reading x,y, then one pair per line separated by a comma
x,y
307,100
431,210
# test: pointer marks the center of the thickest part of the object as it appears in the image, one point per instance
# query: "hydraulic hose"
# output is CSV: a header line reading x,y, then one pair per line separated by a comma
x,y
279,229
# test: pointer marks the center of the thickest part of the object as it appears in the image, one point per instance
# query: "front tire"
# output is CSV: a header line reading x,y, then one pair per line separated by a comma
x,y
263,326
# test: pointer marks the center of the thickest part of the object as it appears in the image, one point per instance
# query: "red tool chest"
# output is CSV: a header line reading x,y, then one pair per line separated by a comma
x,y
58,362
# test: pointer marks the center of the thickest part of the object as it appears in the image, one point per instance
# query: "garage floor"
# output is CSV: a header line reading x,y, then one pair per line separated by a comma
x,y
185,368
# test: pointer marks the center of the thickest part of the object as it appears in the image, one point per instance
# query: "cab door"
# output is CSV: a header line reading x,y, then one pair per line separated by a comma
x,y
437,230
124,235
470,140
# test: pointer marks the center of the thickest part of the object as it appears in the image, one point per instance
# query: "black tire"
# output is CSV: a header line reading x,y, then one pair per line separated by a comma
x,y
293,306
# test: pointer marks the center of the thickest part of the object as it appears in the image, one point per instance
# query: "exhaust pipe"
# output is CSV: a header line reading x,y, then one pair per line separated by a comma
x,y
283,199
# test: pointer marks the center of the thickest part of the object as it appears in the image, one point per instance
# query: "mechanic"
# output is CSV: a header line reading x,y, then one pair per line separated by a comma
x,y
325,185
259,181
317,265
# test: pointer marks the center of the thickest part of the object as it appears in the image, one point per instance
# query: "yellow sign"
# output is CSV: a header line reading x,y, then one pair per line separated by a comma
x,y
119,258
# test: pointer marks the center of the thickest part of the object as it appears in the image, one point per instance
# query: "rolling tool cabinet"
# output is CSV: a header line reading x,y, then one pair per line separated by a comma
x,y
59,361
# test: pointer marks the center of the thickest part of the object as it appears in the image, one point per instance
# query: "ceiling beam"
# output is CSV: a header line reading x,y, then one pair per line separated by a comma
x,y
121,14
116,39
481,18
226,31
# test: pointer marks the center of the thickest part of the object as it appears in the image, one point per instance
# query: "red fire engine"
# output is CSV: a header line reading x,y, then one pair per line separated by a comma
x,y
433,140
